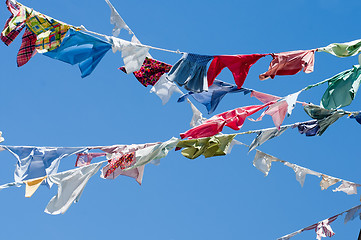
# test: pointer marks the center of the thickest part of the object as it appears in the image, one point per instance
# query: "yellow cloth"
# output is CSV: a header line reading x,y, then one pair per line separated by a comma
x,y
32,185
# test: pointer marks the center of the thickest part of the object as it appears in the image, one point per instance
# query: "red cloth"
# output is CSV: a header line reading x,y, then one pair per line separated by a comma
x,y
233,119
27,48
239,65
290,63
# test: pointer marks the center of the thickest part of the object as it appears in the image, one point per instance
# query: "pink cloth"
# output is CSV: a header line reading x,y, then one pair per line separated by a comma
x,y
323,228
290,63
84,159
233,119
264,97
239,65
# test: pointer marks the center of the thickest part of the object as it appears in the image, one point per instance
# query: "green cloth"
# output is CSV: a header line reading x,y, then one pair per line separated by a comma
x,y
343,49
342,88
324,117
209,147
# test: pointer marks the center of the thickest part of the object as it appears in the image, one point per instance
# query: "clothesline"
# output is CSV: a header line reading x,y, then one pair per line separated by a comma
x,y
351,214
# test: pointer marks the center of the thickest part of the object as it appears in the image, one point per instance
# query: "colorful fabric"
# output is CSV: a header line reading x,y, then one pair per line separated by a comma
x,y
121,162
191,72
27,48
233,119
82,49
346,49
208,147
15,23
215,93
356,116
324,117
84,159
150,72
165,88
290,63
239,65
49,31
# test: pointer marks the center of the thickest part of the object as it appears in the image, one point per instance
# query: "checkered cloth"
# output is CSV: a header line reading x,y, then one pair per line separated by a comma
x,y
49,31
15,23
27,48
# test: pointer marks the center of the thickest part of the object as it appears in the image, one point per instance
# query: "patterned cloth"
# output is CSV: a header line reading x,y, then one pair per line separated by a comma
x,y
27,48
14,24
49,31
121,162
150,72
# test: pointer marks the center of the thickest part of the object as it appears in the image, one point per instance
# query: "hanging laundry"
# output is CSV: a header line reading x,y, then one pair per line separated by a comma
x,y
150,72
346,49
197,118
328,181
310,128
323,229
84,159
117,20
263,162
214,95
50,32
15,23
357,116
239,65
353,213
165,88
301,172
27,48
191,72
233,119
208,147
32,185
133,53
342,88
290,63
82,49
150,154
277,110
264,97
35,162
347,187
70,187
122,162
118,165
324,117
266,135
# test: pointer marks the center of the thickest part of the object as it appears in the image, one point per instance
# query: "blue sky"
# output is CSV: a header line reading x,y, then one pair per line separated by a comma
x,y
47,103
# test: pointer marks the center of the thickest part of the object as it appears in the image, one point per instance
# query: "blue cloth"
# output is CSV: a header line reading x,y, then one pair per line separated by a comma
x,y
214,95
82,49
310,128
356,116
35,162
191,72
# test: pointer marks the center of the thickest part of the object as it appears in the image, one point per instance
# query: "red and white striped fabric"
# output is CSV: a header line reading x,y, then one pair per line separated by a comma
x,y
323,229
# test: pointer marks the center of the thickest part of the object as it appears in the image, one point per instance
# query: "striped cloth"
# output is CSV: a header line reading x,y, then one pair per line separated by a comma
x,y
27,48
49,31
323,229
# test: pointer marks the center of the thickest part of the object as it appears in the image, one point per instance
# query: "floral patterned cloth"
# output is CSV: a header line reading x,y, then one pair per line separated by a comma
x,y
121,162
150,72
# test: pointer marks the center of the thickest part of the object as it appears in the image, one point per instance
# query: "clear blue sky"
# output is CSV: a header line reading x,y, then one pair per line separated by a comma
x,y
47,103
